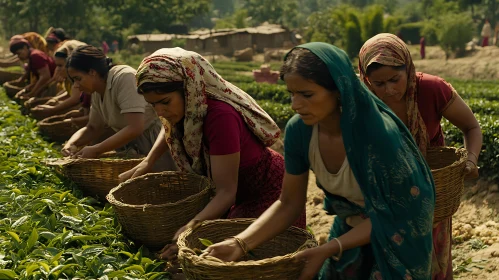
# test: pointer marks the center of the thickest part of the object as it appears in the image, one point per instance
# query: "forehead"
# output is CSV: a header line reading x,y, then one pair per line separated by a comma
x,y
295,82
384,73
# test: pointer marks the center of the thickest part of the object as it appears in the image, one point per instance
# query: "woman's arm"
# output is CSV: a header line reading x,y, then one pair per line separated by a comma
x,y
460,115
158,149
281,215
135,127
43,78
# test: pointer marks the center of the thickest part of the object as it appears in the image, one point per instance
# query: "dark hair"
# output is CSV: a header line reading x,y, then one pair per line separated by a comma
x,y
60,34
14,48
161,88
375,66
306,64
86,58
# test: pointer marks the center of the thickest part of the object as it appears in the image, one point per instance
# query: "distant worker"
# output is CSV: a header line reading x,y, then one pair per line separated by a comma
x,y
422,46
486,33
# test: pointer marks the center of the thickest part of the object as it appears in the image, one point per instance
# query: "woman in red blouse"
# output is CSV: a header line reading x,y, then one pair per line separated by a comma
x,y
213,129
420,100
40,65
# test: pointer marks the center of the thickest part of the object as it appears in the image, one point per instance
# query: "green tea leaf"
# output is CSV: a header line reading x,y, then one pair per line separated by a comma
x,y
135,267
7,274
205,242
14,235
32,239
20,221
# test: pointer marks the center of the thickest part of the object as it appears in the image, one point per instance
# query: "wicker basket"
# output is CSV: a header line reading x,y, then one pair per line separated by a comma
x,y
59,128
152,207
447,166
95,177
6,76
12,88
271,260
42,114
9,61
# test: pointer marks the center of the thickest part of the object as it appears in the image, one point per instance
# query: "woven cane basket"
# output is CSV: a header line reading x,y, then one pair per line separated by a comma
x,y
95,177
447,166
11,89
152,207
6,76
59,128
271,260
9,61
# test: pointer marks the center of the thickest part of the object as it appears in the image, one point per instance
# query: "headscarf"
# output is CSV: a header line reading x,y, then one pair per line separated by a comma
x,y
36,41
395,179
17,40
201,82
67,48
387,49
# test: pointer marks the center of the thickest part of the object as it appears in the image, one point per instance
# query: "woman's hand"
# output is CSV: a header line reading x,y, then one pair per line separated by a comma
x,y
169,252
88,152
142,168
69,149
228,250
471,170
314,258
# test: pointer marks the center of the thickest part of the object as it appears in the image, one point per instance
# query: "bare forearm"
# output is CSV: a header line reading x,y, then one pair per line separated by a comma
x,y
120,139
275,220
356,237
68,103
218,206
473,141
159,147
40,84
83,136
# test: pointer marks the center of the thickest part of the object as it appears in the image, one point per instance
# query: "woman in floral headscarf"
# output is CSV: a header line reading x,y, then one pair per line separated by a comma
x,y
420,100
215,129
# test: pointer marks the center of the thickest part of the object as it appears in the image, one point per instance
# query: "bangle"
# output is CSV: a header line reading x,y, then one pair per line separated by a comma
x,y
338,257
242,244
471,153
473,163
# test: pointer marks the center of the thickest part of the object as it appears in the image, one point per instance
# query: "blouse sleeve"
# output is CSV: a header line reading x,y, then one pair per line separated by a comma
x,y
295,153
128,99
222,131
442,92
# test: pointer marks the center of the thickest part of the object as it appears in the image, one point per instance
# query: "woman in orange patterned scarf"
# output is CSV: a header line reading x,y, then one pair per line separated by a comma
x,y
421,100
214,129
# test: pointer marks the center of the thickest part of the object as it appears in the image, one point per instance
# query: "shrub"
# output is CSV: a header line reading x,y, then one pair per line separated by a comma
x,y
454,31
411,32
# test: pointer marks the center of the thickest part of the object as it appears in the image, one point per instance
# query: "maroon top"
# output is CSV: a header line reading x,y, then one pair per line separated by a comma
x,y
435,95
38,60
225,132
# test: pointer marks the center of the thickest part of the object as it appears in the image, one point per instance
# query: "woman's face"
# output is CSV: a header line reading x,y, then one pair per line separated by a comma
x,y
23,54
60,64
388,83
311,101
170,106
83,81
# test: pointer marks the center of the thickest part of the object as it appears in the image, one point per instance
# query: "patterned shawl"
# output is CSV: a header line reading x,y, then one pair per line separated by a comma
x,y
201,81
388,49
395,180
36,41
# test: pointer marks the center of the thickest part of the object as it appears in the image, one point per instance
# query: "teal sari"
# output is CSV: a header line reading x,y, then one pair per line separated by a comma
x,y
395,179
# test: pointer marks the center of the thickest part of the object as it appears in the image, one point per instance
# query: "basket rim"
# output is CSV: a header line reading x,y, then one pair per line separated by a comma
x,y
115,202
462,159
187,253
73,161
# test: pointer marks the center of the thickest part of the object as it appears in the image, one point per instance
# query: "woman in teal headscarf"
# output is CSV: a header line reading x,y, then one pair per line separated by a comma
x,y
366,161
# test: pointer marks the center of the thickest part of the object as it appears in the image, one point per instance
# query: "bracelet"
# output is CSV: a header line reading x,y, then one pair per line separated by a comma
x,y
473,155
473,163
338,257
242,244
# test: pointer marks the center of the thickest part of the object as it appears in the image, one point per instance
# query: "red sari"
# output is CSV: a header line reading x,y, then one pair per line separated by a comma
x,y
434,96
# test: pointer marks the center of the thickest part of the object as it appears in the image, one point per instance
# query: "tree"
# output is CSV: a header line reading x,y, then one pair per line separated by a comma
x,y
284,12
454,31
372,22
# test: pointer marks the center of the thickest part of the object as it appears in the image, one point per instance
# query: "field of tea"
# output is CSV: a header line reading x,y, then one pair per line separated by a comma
x,y
49,230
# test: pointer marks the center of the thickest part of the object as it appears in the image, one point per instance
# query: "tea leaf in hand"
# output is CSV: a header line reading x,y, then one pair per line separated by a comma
x,y
205,242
